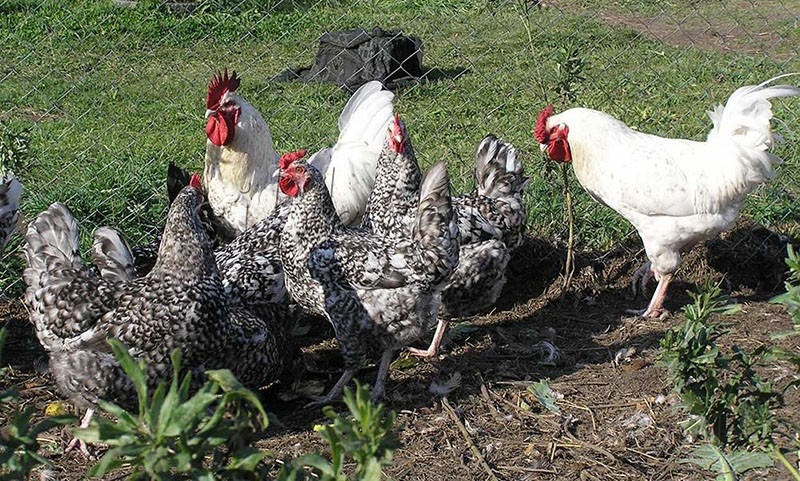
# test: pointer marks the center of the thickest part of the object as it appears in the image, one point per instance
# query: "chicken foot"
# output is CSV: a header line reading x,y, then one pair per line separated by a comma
x,y
335,392
433,349
84,449
656,306
383,372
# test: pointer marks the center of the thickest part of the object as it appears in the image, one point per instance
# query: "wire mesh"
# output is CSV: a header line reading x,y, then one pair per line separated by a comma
x,y
109,92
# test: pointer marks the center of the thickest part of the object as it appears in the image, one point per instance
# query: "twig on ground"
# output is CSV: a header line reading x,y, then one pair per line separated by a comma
x,y
475,451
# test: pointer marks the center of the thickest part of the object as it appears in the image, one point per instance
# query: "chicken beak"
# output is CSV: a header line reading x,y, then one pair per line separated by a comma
x,y
276,174
542,147
210,112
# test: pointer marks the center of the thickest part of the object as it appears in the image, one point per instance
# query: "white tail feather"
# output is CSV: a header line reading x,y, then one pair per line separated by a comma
x,y
745,119
349,166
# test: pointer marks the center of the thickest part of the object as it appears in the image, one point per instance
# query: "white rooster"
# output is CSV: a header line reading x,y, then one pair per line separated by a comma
x,y
675,192
241,159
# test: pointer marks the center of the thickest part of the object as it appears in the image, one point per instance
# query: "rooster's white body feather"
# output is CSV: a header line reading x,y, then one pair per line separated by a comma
x,y
676,192
239,176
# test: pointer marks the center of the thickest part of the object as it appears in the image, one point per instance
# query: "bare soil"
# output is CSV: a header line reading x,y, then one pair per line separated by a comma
x,y
619,417
738,26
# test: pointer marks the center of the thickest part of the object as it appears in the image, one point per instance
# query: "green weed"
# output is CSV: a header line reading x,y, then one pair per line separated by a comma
x,y
367,439
730,405
791,298
203,436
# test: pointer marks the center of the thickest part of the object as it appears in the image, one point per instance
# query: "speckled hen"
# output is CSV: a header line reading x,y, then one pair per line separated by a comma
x,y
378,295
10,193
181,303
491,220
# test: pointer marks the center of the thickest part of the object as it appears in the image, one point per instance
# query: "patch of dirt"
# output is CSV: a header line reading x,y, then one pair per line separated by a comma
x,y
739,27
619,418
31,114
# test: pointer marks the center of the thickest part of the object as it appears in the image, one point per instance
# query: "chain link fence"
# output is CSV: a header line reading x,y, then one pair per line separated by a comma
x,y
106,94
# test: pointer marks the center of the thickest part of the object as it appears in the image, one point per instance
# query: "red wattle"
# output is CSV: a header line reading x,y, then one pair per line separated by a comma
x,y
559,150
220,130
288,186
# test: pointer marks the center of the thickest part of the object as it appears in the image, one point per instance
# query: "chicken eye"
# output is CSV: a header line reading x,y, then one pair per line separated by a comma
x,y
299,169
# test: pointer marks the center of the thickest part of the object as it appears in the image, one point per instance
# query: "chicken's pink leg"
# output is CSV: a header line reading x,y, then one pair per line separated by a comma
x,y
656,306
87,418
335,391
433,349
383,372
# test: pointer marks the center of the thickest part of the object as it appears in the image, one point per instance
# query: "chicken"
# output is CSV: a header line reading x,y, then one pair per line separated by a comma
x,y
378,295
10,192
491,220
181,303
675,192
241,160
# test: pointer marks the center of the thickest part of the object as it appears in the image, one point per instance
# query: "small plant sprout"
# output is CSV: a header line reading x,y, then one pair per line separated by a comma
x,y
366,438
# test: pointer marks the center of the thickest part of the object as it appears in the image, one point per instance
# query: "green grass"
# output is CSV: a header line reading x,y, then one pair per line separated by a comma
x,y
113,94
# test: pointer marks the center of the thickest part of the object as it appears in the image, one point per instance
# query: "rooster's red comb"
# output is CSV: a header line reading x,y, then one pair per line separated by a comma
x,y
288,159
541,133
195,182
221,83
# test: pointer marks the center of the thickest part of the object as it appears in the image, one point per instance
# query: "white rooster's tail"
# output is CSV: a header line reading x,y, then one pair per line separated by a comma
x,y
112,255
51,250
745,119
436,229
349,166
10,192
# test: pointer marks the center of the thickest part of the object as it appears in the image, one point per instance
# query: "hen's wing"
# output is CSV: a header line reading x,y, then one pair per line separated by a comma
x,y
425,255
251,267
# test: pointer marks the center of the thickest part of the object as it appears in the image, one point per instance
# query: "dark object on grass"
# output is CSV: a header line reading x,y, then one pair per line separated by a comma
x,y
351,58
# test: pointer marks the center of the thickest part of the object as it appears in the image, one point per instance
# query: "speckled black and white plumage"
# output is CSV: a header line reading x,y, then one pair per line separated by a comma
x,y
180,303
378,295
10,193
393,202
251,267
491,221
491,218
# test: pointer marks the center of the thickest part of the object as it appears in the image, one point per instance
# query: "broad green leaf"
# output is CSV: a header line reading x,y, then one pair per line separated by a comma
x,y
542,392
133,370
246,459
